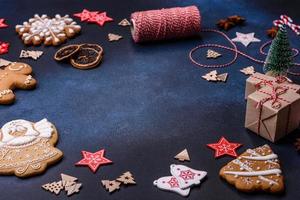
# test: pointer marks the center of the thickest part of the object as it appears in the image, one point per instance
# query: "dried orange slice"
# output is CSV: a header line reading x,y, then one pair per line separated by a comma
x,y
86,58
66,52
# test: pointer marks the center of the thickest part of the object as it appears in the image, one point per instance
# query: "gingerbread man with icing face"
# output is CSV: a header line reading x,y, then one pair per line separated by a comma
x,y
15,76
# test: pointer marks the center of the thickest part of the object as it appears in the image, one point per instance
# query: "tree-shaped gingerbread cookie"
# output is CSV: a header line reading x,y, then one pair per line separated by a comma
x,y
14,76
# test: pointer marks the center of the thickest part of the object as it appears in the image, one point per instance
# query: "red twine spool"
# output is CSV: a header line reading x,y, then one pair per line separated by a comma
x,y
164,24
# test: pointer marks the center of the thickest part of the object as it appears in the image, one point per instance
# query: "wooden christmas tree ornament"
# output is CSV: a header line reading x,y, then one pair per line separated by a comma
x,y
212,54
124,22
111,186
126,178
183,156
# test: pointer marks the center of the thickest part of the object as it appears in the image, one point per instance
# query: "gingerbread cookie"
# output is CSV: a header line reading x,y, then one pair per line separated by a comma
x,y
14,76
27,148
50,31
255,170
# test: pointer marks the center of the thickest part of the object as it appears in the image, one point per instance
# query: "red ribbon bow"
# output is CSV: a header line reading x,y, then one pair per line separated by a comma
x,y
286,20
273,96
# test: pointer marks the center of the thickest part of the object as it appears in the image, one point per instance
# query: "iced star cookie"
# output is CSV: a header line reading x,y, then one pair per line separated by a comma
x,y
27,148
255,170
14,76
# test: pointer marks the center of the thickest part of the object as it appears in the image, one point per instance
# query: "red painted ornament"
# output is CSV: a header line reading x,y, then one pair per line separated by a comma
x,y
86,14
4,47
2,24
100,19
93,160
223,147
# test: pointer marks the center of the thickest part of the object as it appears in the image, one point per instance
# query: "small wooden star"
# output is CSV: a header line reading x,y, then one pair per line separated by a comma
x,y
245,38
2,24
223,147
114,37
248,70
93,160
272,32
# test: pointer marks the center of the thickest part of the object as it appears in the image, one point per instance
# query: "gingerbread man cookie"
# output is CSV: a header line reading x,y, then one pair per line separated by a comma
x,y
27,148
14,76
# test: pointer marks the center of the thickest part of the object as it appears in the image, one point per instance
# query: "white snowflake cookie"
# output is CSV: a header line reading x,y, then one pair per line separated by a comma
x,y
50,31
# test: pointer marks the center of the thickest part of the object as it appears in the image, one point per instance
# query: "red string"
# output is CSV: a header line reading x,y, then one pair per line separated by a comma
x,y
236,52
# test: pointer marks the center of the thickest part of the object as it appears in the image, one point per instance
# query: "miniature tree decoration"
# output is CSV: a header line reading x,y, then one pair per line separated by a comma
x,y
279,57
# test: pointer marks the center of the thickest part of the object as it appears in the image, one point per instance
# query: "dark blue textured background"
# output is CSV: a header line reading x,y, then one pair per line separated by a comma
x,y
145,103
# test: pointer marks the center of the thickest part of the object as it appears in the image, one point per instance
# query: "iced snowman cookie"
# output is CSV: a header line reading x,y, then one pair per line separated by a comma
x,y
255,170
27,148
170,183
186,176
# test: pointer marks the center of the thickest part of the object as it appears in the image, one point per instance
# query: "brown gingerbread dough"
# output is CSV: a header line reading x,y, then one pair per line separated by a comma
x,y
15,76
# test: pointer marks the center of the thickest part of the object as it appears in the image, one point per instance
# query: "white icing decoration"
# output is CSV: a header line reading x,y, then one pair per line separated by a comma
x,y
268,157
41,129
5,92
249,169
41,28
254,173
13,68
28,80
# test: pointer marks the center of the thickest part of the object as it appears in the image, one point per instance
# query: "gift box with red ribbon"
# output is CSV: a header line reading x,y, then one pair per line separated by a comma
x,y
258,80
273,111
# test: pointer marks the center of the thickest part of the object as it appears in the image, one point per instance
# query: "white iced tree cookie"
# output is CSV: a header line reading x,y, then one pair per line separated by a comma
x,y
51,31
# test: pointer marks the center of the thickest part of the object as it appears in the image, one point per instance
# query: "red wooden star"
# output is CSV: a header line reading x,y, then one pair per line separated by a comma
x,y
2,24
100,19
4,47
223,147
85,14
93,160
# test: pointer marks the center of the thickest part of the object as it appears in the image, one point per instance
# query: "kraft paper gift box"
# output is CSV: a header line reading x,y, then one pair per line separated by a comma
x,y
258,79
272,121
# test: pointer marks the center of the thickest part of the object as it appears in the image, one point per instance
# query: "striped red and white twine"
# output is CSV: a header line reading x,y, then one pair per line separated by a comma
x,y
236,52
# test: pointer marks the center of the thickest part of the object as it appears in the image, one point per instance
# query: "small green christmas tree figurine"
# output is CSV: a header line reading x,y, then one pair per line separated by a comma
x,y
279,57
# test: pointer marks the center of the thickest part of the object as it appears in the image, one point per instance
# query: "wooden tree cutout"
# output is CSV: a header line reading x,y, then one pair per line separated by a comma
x,y
126,178
183,156
111,186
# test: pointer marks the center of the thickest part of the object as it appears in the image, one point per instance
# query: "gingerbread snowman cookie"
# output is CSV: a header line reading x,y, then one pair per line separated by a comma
x,y
27,148
255,170
15,76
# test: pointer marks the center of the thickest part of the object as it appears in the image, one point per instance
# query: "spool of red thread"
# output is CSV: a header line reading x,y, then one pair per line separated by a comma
x,y
165,24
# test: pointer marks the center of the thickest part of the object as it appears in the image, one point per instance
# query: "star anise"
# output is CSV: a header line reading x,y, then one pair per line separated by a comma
x,y
272,32
230,22
236,19
225,24
297,144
